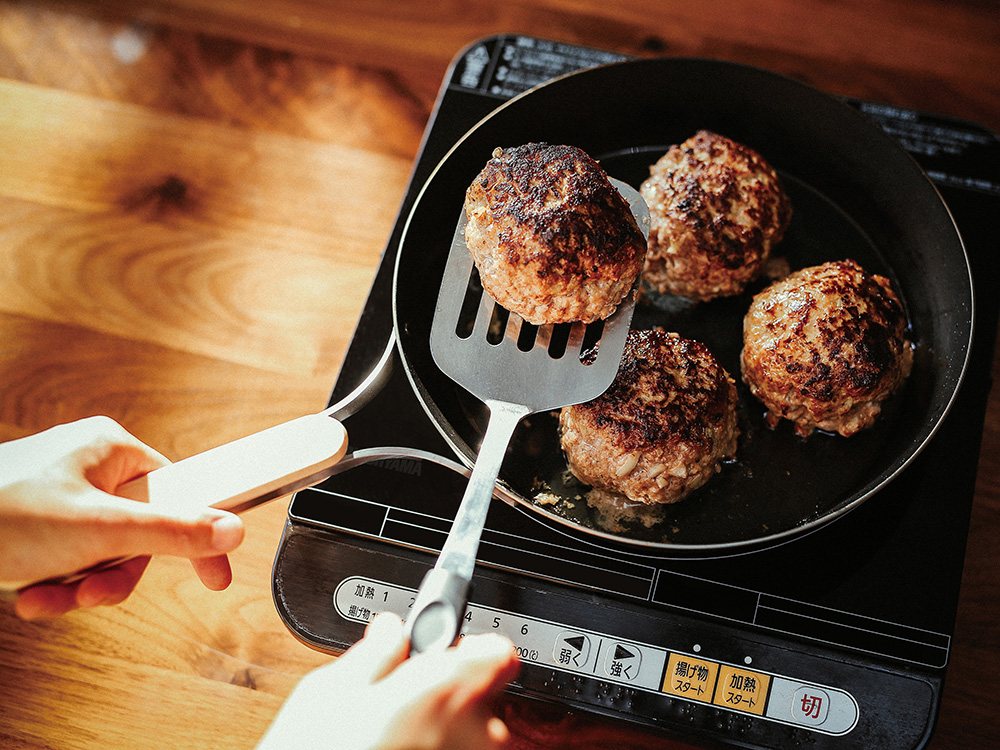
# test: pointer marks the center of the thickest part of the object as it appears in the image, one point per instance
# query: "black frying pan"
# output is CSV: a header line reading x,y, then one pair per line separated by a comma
x,y
856,194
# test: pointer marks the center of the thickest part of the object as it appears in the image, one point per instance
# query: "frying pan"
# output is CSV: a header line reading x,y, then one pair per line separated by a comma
x,y
856,194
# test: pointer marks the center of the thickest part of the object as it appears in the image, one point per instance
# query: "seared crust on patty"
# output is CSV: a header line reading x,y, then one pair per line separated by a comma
x,y
663,427
717,209
553,240
825,347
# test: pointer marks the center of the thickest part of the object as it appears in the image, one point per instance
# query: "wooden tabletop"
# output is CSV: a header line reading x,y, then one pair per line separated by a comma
x,y
194,196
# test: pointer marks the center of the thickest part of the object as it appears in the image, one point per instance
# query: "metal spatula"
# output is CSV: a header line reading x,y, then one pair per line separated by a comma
x,y
516,370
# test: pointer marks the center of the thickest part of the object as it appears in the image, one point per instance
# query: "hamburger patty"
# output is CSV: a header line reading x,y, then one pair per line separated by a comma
x,y
825,347
553,240
717,209
663,427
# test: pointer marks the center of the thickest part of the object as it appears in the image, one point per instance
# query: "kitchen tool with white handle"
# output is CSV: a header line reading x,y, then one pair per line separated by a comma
x,y
235,476
252,470
512,383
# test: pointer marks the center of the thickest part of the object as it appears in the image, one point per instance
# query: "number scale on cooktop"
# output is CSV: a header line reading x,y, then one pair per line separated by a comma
x,y
641,666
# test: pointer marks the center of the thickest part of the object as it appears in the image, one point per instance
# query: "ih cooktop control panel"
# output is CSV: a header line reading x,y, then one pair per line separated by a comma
x,y
685,675
666,669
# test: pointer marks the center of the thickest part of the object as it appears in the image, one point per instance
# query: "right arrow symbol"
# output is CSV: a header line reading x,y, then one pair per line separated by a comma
x,y
622,653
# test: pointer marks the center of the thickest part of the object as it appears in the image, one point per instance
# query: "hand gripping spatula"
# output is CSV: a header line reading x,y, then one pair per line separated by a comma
x,y
492,355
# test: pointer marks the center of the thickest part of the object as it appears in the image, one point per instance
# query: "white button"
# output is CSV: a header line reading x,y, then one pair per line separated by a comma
x,y
623,661
572,650
810,706
825,709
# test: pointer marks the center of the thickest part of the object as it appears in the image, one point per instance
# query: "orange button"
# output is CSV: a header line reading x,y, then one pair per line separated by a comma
x,y
742,690
690,678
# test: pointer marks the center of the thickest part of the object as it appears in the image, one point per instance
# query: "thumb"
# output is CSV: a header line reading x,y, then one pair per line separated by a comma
x,y
381,650
487,662
477,667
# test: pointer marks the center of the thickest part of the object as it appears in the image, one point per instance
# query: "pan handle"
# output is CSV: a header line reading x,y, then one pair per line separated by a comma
x,y
235,476
368,388
239,475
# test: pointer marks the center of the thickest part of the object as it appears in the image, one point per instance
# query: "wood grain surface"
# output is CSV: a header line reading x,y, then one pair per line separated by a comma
x,y
194,196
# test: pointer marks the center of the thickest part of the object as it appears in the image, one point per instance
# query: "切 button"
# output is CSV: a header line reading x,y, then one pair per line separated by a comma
x,y
825,709
811,706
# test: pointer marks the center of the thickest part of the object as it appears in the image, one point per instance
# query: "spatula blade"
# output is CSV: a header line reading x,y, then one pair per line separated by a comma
x,y
496,355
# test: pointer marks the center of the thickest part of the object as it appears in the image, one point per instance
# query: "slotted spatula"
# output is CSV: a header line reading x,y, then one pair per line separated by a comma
x,y
493,356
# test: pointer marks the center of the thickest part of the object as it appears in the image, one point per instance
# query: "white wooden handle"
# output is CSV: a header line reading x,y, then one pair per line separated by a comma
x,y
248,471
237,475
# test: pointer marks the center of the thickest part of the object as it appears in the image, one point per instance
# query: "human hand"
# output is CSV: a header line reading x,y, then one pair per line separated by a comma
x,y
58,515
375,698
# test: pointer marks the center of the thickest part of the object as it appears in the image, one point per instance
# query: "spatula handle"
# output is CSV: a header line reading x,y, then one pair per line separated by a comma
x,y
438,611
436,616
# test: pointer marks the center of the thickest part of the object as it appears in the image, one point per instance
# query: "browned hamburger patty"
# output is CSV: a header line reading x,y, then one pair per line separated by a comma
x,y
717,209
663,427
553,240
825,347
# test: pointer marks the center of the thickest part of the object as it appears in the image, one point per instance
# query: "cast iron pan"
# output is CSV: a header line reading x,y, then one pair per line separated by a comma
x,y
855,193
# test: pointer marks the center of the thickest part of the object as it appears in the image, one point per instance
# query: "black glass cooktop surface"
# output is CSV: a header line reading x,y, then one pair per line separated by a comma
x,y
839,638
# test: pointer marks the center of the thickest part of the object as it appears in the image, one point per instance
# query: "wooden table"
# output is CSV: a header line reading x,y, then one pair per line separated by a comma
x,y
193,199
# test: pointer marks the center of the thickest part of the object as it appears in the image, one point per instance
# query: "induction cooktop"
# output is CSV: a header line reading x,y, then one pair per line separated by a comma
x,y
836,639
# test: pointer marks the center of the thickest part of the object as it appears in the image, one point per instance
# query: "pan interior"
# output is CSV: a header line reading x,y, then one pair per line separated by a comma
x,y
778,480
779,485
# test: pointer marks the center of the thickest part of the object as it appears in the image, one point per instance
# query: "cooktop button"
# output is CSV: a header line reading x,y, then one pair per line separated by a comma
x,y
622,661
810,706
741,689
825,709
572,650
690,677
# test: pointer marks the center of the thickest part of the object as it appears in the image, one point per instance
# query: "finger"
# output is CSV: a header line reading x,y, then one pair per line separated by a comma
x,y
491,654
447,694
121,463
96,527
463,678
215,572
112,585
109,586
478,667
489,662
476,726
108,454
497,731
382,649
46,601
118,527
